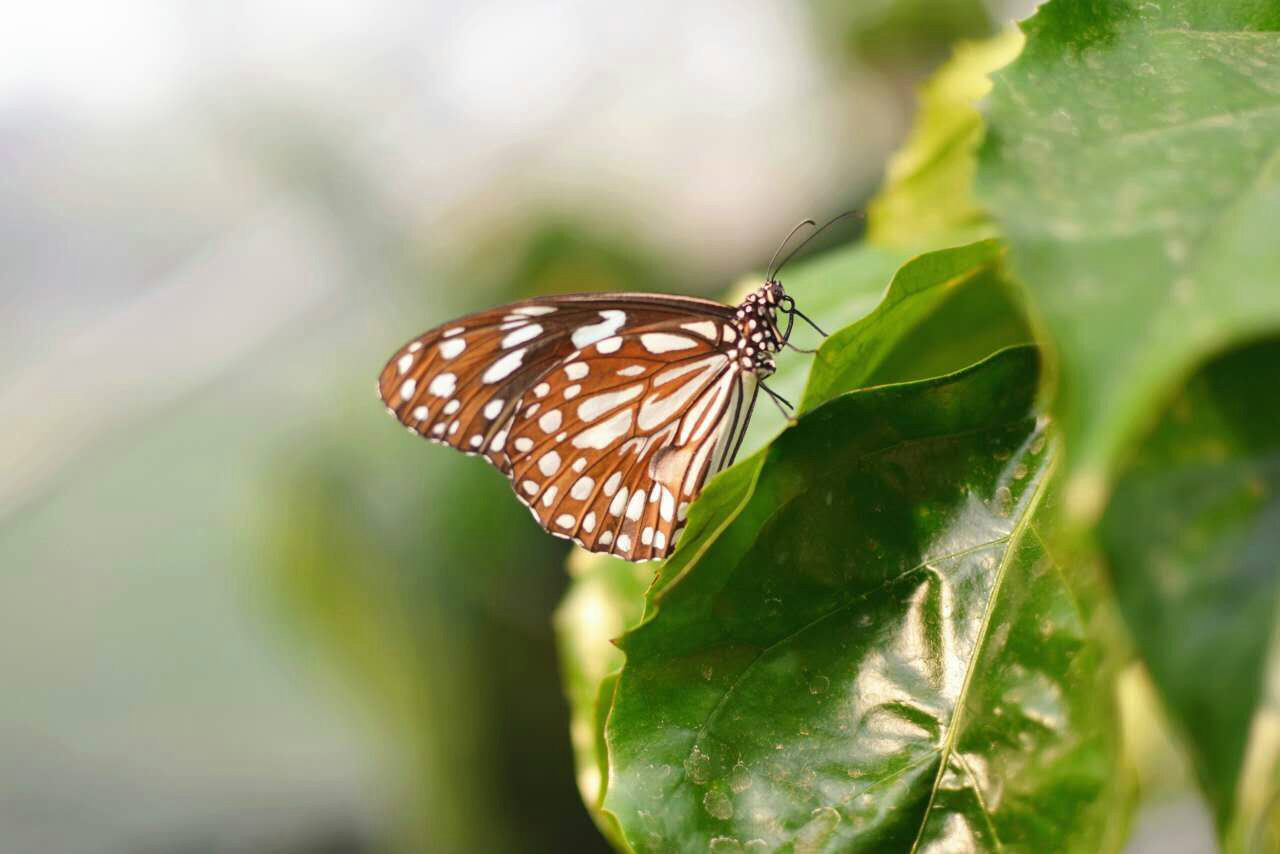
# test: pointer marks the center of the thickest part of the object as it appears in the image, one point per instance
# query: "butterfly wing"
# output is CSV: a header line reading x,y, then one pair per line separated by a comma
x,y
607,413
615,465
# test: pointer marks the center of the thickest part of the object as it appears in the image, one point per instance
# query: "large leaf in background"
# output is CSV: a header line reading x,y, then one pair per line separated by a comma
x,y
1132,159
943,310
927,197
1193,535
873,652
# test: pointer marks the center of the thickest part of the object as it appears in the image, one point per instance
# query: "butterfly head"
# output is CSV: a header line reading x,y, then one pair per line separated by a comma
x,y
757,322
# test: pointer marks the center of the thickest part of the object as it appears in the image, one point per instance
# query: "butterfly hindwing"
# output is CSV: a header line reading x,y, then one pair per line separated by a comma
x,y
613,464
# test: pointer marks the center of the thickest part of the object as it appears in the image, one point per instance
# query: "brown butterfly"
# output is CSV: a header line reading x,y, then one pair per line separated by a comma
x,y
608,412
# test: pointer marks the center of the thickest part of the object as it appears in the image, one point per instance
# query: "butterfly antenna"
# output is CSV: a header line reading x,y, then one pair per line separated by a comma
x,y
806,319
788,305
805,242
782,245
778,401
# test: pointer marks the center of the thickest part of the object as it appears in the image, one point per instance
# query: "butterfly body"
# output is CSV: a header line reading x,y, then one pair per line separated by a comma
x,y
608,412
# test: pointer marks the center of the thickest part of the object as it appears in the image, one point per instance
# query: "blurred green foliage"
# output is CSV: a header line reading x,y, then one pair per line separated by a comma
x,y
894,33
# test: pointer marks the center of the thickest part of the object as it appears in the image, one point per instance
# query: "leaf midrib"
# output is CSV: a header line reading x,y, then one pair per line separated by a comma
x,y
948,745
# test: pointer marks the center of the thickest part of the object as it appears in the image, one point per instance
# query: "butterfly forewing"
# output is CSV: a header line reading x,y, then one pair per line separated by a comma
x,y
607,413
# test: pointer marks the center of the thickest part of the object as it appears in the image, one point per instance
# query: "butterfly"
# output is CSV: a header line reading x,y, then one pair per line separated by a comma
x,y
607,412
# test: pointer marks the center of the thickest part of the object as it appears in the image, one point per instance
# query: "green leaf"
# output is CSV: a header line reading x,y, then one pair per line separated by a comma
x,y
911,335
873,650
1133,161
1192,533
927,197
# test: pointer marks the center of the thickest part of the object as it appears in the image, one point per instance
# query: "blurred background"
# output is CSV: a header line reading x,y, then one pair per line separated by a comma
x,y
241,610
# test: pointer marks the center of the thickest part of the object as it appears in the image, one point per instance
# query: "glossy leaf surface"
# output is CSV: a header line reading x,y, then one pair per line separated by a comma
x,y
871,649
1132,159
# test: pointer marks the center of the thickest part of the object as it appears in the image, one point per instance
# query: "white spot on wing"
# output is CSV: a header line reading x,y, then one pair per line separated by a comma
x,y
582,488
589,522
584,336
609,345
407,388
415,346
549,464
457,330
572,391
549,497
668,505
541,389
636,506
659,542
550,421
405,362
524,444
534,310
565,520
521,335
624,543
631,371
529,486
504,367
665,342
597,405
576,370
605,433
606,537
451,347
705,328
493,408
646,536
443,385
420,413
611,485
451,407
619,502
